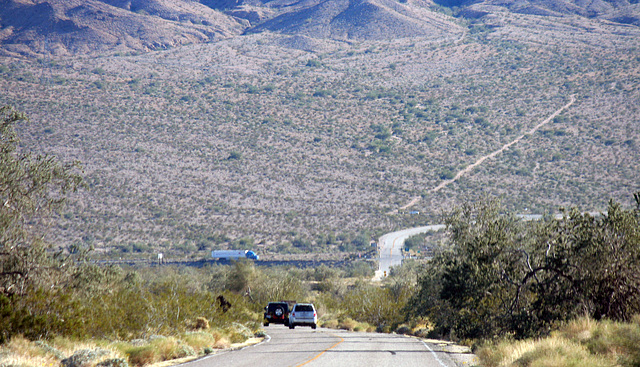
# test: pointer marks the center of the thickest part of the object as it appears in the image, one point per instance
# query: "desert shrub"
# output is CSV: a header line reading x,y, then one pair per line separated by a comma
x,y
277,284
331,324
222,342
415,242
142,355
34,188
580,342
403,329
113,362
239,333
323,93
201,323
42,313
19,351
360,269
168,348
447,174
347,323
127,307
620,339
199,340
49,349
323,272
505,276
315,63
375,305
552,352
84,357
260,334
363,327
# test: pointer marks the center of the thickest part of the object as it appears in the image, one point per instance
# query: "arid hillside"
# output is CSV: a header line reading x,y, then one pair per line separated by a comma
x,y
86,27
90,27
291,135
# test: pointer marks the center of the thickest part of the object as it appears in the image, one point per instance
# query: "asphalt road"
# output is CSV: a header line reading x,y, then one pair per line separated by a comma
x,y
390,247
330,348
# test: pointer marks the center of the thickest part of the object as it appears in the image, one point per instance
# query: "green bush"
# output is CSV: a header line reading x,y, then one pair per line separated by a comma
x,y
506,276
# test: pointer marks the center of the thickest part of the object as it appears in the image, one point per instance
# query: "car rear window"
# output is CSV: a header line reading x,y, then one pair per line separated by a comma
x,y
304,308
273,306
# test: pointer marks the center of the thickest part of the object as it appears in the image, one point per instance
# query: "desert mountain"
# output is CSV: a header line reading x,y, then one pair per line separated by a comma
x,y
62,27
85,26
557,8
361,20
79,27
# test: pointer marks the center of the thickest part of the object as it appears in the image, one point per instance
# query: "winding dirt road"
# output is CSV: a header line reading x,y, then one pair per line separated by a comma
x,y
481,160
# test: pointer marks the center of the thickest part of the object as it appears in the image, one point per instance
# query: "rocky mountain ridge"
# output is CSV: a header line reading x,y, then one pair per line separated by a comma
x,y
76,27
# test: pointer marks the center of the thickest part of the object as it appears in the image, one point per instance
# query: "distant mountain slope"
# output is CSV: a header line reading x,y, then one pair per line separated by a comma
x,y
361,20
591,8
85,26
625,15
62,27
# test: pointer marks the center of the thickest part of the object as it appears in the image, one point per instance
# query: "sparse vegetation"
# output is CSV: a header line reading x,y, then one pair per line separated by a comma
x,y
247,149
582,342
194,138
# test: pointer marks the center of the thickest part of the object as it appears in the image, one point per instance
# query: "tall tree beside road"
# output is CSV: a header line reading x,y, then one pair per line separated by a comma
x,y
504,275
32,187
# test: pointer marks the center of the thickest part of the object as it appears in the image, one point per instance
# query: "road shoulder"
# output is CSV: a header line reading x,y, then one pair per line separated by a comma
x,y
176,362
461,355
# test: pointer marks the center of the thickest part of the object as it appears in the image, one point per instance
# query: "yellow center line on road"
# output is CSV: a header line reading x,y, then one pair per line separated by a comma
x,y
321,353
392,246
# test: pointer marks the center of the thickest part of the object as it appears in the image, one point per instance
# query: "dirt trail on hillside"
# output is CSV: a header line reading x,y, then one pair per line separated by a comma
x,y
470,167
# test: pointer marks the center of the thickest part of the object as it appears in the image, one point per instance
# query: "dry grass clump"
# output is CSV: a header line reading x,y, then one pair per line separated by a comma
x,y
190,344
583,342
200,340
222,343
19,351
347,323
60,351
167,348
364,327
332,321
420,327
239,333
551,352
201,323
141,355
329,323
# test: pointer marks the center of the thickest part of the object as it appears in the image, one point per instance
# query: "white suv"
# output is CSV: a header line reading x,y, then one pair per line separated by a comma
x,y
303,314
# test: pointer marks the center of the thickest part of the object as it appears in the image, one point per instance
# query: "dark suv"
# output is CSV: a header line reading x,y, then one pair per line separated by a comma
x,y
277,313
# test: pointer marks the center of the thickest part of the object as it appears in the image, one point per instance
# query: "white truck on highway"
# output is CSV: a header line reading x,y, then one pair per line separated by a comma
x,y
234,254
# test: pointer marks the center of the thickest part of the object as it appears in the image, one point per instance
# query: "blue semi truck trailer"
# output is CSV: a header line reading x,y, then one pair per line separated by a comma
x,y
234,254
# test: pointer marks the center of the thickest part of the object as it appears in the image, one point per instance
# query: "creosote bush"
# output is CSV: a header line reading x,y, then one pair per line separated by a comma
x,y
505,276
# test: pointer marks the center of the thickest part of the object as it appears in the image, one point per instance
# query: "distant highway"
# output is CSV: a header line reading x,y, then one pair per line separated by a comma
x,y
390,247
332,348
205,262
